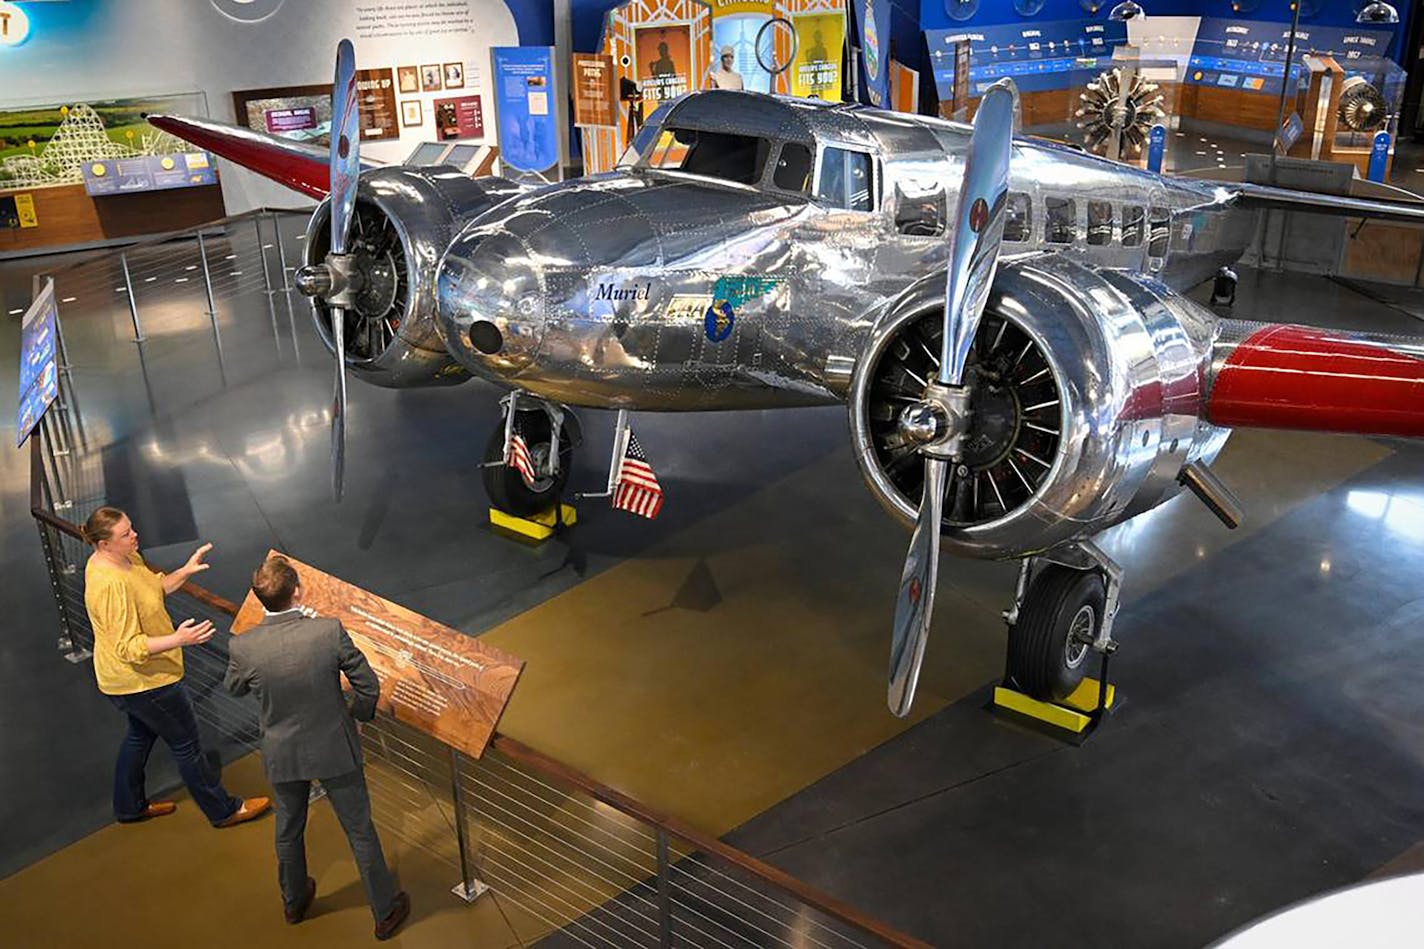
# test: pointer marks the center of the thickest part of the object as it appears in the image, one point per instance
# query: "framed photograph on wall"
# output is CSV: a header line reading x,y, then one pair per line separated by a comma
x,y
430,78
411,113
454,75
409,79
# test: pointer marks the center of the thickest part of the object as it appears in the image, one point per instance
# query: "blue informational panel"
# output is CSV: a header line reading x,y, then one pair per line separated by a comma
x,y
1250,54
527,107
149,173
39,363
1156,148
872,20
1379,156
1037,56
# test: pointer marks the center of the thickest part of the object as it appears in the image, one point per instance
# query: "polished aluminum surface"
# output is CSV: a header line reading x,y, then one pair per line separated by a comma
x,y
1128,358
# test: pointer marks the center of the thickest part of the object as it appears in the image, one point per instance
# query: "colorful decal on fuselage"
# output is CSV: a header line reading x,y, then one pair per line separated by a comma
x,y
728,293
719,320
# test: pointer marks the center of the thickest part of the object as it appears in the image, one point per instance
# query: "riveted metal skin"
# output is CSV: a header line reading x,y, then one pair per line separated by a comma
x,y
1128,357
426,207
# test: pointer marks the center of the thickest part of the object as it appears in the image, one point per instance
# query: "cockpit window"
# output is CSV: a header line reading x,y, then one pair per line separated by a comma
x,y
793,168
737,158
846,180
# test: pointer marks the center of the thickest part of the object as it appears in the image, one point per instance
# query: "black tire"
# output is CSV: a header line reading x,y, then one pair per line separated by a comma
x,y
1042,662
505,486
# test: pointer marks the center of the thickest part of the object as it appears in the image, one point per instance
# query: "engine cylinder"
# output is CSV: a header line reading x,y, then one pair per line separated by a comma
x,y
1087,403
403,221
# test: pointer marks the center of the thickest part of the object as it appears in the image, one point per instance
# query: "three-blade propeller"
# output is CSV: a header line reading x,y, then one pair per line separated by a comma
x,y
937,424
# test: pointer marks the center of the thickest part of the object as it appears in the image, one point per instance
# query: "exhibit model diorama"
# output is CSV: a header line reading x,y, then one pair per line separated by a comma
x,y
1003,317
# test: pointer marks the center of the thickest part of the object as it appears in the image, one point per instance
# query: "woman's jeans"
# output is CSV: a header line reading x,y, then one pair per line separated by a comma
x,y
165,713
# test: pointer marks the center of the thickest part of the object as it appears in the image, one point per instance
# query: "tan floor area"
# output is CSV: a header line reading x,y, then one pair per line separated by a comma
x,y
769,676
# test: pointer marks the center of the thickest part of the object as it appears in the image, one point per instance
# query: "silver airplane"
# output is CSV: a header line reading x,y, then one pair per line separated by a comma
x,y
1003,317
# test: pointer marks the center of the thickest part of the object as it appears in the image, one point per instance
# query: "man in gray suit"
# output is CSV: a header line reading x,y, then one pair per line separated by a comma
x,y
293,661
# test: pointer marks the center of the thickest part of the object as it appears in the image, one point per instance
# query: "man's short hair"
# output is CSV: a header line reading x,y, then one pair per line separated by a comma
x,y
274,583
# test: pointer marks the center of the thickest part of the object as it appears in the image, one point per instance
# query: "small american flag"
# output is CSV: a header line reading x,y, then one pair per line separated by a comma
x,y
637,491
516,454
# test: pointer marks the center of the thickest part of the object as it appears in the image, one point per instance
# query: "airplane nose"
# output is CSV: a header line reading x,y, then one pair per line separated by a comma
x,y
491,300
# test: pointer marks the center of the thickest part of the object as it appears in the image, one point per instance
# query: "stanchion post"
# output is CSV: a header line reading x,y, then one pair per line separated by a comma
x,y
129,292
266,276
62,500
469,888
53,564
286,284
212,306
664,892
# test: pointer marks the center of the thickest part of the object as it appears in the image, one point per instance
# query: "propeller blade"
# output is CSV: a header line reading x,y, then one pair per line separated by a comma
x,y
345,172
978,226
345,146
917,590
338,404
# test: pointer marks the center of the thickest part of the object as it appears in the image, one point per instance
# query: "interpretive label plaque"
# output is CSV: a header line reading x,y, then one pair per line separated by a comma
x,y
435,678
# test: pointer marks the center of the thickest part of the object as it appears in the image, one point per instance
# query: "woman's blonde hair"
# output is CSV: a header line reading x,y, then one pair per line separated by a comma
x,y
101,523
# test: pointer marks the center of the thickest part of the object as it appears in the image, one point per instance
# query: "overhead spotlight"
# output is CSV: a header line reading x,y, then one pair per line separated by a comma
x,y
1377,11
1131,10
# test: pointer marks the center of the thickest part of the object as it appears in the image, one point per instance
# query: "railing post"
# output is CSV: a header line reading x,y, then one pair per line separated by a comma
x,y
286,285
470,887
62,501
664,893
53,568
129,292
266,279
212,306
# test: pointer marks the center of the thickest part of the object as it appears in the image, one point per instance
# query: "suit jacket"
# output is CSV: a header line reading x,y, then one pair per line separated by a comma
x,y
294,664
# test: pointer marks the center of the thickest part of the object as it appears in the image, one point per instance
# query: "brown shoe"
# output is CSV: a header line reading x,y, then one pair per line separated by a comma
x,y
252,807
295,914
154,809
387,927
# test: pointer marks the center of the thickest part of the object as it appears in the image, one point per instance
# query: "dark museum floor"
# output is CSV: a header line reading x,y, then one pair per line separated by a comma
x,y
726,663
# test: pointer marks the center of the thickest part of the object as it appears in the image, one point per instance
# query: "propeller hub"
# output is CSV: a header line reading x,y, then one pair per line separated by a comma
x,y
923,422
314,280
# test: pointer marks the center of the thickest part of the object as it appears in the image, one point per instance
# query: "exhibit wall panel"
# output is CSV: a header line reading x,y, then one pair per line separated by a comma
x,y
88,50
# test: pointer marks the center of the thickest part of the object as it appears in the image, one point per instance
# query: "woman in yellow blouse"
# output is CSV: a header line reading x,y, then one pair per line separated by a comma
x,y
138,661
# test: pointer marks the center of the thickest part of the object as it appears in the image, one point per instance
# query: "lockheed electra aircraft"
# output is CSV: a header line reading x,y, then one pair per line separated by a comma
x,y
1003,318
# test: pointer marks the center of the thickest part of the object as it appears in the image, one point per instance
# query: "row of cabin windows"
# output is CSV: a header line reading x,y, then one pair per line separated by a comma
x,y
1061,223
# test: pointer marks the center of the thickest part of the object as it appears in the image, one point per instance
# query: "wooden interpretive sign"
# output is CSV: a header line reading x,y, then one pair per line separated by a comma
x,y
434,678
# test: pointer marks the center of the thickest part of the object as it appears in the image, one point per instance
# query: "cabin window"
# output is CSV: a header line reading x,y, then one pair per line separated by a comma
x,y
793,168
846,180
1018,218
1061,215
736,158
1100,222
920,215
1133,223
1159,231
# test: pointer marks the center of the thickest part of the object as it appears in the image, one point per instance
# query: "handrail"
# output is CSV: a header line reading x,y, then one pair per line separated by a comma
x,y
538,761
166,236
550,767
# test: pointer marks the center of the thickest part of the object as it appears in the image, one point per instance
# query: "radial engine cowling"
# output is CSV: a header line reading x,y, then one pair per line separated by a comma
x,y
1086,405
404,220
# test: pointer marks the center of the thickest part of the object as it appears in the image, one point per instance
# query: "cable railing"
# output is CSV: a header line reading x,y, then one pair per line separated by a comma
x,y
583,864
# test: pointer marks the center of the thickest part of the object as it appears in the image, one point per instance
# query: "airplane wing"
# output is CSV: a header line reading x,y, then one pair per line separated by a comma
x,y
299,166
1268,198
1300,377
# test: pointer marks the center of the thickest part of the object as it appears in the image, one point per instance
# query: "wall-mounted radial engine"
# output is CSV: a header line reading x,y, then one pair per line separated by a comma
x,y
404,220
1087,395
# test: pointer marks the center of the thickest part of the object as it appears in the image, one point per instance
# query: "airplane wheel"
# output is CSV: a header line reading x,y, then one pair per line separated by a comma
x,y
1060,617
505,486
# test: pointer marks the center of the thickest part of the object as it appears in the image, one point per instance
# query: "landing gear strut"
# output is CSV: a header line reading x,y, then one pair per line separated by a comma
x,y
1063,610
550,433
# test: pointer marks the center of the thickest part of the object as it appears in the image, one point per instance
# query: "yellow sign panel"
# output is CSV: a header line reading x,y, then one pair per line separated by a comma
x,y
816,70
734,7
25,210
